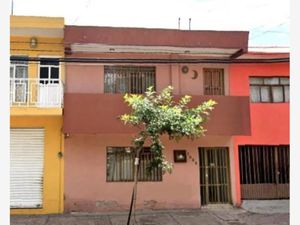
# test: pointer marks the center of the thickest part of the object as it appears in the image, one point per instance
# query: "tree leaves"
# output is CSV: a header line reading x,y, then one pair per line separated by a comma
x,y
160,114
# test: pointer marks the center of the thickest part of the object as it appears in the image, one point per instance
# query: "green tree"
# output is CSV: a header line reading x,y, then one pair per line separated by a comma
x,y
158,114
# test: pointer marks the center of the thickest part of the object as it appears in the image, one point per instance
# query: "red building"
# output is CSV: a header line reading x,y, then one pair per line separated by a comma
x,y
244,152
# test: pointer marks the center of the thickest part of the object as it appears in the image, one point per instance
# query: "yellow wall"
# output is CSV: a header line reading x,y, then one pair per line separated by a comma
x,y
49,33
53,165
46,47
38,27
36,22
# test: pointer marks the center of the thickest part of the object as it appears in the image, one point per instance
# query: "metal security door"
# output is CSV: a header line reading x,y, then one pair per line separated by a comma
x,y
264,171
26,168
214,175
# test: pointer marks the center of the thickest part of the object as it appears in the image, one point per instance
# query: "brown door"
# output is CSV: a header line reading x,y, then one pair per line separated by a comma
x,y
213,81
264,171
214,175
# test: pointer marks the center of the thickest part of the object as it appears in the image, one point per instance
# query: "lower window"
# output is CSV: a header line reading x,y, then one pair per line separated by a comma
x,y
120,165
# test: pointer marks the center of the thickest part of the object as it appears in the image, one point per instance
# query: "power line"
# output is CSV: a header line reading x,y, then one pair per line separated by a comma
x,y
270,30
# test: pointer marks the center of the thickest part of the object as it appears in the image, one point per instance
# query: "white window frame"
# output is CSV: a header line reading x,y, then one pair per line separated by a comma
x,y
13,65
49,66
13,83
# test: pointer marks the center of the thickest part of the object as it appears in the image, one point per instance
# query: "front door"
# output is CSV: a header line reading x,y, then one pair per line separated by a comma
x,y
214,175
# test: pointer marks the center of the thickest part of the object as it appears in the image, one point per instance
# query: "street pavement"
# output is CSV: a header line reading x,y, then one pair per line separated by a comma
x,y
204,216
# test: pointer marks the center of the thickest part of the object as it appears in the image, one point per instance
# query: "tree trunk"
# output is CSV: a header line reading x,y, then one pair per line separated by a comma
x,y
135,179
136,166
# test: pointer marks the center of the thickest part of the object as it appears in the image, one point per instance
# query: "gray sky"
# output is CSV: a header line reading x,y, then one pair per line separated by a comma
x,y
267,20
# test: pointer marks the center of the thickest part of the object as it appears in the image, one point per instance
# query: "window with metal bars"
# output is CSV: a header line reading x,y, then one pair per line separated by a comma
x,y
128,79
120,165
213,81
264,164
270,89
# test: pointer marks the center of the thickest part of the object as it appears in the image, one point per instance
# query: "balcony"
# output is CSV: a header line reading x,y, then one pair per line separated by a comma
x,y
99,113
33,96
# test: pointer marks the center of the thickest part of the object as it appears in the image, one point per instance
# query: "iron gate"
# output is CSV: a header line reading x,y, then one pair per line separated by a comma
x,y
264,171
214,175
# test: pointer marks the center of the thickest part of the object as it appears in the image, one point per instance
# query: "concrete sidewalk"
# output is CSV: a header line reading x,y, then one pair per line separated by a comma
x,y
204,216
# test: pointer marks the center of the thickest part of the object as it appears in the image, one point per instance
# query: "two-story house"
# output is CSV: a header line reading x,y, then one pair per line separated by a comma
x,y
36,100
103,64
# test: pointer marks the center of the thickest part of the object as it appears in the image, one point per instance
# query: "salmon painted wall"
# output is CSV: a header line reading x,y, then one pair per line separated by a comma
x,y
86,188
269,121
53,165
88,78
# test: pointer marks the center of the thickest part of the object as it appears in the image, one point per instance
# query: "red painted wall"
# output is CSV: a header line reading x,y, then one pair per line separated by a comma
x,y
269,121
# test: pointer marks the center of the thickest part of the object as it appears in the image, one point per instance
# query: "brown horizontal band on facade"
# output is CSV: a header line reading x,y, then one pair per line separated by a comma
x,y
99,114
156,37
151,61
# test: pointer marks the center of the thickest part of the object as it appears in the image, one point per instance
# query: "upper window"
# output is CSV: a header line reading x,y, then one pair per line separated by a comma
x,y
270,89
120,165
18,81
49,70
128,79
213,81
19,69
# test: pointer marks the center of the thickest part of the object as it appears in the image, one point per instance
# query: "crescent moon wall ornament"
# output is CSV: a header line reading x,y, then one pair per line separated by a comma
x,y
184,69
195,74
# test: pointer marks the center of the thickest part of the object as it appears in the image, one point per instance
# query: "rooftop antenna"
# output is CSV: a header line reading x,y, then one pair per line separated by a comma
x,y
12,7
190,21
178,23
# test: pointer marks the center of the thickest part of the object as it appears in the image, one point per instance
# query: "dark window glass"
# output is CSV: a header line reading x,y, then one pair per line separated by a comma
x,y
44,75
54,75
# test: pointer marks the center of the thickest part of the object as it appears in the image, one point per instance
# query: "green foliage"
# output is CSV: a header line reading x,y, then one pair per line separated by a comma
x,y
157,114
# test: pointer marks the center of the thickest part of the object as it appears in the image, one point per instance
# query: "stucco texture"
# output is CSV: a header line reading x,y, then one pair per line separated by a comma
x,y
86,188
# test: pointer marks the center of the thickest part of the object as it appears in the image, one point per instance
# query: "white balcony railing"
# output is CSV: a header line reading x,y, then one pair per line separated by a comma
x,y
44,93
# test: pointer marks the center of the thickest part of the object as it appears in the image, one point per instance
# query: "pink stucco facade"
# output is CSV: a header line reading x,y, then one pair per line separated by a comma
x,y
83,78
86,188
91,124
